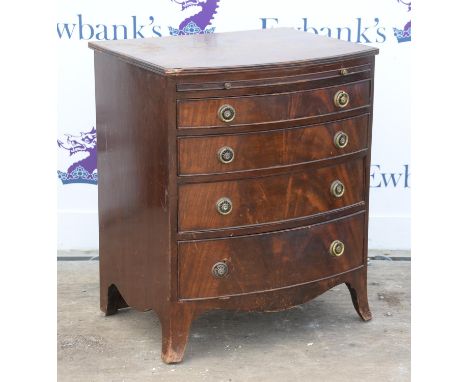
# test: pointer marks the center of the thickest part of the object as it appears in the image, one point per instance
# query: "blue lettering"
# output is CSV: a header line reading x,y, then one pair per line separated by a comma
x,y
137,33
361,34
329,33
265,21
349,33
391,179
61,28
81,27
381,34
156,29
101,35
372,175
306,28
115,27
380,179
407,175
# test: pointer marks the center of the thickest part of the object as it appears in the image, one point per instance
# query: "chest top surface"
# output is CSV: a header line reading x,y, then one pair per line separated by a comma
x,y
232,50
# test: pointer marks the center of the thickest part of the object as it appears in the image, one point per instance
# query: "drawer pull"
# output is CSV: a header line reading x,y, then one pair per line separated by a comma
x,y
226,154
340,140
224,206
227,85
226,113
344,72
341,99
336,248
337,189
220,270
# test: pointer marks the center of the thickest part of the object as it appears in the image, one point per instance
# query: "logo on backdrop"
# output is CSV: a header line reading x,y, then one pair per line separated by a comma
x,y
82,154
403,35
407,4
359,29
198,16
199,22
82,150
379,178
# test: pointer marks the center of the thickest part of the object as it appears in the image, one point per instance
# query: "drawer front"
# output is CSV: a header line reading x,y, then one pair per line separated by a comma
x,y
268,199
271,107
207,155
246,264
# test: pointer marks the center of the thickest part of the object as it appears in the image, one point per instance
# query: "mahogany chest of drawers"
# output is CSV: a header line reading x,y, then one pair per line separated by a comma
x,y
233,173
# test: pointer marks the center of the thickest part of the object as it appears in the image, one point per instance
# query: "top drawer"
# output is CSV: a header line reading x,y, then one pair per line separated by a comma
x,y
268,108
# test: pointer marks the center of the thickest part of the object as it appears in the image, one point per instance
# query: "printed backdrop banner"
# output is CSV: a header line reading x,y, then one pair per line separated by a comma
x,y
385,24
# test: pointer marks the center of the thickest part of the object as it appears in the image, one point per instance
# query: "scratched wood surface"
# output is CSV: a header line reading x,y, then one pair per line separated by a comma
x,y
159,177
251,49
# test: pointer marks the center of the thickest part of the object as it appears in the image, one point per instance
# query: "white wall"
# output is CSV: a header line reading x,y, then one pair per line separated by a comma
x,y
90,20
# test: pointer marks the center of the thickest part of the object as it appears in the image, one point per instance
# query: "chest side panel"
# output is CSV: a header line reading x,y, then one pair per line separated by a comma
x,y
133,154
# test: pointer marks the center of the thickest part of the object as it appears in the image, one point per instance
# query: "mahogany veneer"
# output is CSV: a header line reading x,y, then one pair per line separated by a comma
x,y
285,147
267,108
233,173
271,198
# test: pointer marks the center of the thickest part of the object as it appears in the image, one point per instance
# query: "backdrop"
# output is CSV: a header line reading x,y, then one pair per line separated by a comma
x,y
385,24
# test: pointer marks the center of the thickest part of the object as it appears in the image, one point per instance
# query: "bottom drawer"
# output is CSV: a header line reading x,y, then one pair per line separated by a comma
x,y
245,264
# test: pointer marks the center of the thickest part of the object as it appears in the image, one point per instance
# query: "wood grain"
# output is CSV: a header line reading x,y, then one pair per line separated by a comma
x,y
133,184
269,261
270,108
234,50
269,78
199,155
159,179
332,72
269,199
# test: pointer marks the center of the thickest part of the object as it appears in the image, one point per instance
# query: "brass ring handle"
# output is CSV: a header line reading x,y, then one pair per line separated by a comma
x,y
340,140
337,189
224,206
337,248
344,72
226,113
220,270
226,154
341,99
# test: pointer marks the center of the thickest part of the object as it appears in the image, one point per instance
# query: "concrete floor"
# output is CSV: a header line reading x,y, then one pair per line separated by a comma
x,y
323,340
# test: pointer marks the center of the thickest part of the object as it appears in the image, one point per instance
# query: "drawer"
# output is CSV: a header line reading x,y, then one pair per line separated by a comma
x,y
262,262
226,153
268,108
235,203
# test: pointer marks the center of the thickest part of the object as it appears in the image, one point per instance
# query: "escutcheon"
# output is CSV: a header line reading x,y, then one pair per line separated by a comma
x,y
220,269
337,189
341,99
226,113
340,140
336,248
224,206
226,154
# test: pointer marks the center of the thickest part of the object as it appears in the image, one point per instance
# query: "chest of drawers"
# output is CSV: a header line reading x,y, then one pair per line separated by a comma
x,y
233,173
